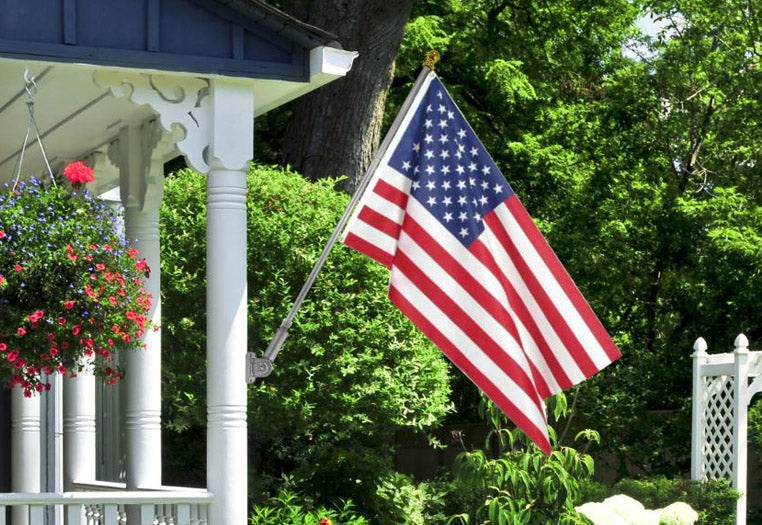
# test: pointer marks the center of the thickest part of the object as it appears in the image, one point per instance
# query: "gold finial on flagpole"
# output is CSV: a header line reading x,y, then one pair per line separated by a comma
x,y
432,57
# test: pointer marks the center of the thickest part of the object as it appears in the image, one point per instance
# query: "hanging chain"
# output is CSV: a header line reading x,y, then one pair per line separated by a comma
x,y
31,90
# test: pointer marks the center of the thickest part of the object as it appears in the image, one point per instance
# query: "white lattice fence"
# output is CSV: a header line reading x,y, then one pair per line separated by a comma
x,y
723,385
717,402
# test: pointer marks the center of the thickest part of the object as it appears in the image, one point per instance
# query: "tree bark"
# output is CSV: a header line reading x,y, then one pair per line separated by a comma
x,y
336,130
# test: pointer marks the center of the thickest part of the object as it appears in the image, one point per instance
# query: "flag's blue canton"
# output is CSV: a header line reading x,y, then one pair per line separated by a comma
x,y
453,175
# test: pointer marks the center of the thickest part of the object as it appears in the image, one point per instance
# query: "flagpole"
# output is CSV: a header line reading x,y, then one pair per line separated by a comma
x,y
261,367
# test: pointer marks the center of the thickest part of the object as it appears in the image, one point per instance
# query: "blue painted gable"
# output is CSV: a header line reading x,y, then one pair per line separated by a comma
x,y
232,38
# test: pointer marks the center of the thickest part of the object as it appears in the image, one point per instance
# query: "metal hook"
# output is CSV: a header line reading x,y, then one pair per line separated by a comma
x,y
30,83
30,87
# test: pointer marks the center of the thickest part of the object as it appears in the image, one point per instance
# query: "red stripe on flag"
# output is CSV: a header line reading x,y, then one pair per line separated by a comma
x,y
460,318
390,193
380,222
481,252
562,276
546,305
462,362
475,288
366,248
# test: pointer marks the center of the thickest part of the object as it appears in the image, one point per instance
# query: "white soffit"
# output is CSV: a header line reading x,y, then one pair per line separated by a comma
x,y
74,115
77,117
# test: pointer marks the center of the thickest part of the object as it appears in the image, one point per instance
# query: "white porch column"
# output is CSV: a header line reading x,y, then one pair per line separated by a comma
x,y
25,446
79,428
141,191
231,148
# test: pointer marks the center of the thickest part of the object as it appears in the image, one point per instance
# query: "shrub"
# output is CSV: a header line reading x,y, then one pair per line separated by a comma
x,y
715,501
404,502
353,371
291,508
513,481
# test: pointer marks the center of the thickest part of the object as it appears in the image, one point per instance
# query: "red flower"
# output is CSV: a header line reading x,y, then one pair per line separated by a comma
x,y
2,234
36,316
69,305
3,347
21,331
79,173
325,521
18,267
61,321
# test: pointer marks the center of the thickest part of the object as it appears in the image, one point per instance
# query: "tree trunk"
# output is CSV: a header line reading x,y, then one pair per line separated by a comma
x,y
336,130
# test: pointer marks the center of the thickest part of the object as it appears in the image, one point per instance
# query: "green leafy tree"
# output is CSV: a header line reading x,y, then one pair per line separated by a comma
x,y
353,370
639,157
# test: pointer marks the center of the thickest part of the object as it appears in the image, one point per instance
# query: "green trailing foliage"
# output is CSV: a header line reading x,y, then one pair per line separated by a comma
x,y
352,372
715,501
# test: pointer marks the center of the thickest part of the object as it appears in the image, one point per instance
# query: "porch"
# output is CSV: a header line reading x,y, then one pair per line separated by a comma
x,y
126,87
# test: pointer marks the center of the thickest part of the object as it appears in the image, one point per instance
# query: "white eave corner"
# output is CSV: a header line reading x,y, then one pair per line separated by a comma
x,y
329,63
326,65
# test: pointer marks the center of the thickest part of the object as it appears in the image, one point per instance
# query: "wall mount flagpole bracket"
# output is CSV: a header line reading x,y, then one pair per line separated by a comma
x,y
257,367
261,367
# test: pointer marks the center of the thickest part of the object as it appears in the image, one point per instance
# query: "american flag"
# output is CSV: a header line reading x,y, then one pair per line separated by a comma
x,y
469,267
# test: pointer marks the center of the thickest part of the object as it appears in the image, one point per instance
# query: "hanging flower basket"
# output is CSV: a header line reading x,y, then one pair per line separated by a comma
x,y
71,288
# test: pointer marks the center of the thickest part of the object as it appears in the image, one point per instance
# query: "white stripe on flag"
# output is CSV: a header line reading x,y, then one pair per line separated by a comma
x,y
375,237
471,306
501,381
490,282
512,275
553,289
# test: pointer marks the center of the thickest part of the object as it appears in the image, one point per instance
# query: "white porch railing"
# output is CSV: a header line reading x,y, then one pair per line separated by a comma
x,y
162,507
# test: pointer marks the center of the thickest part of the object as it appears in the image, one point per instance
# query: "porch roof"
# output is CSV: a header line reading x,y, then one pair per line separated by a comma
x,y
246,38
64,44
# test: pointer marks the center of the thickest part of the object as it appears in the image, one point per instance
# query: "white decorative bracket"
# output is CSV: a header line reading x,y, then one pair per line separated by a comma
x,y
180,102
152,144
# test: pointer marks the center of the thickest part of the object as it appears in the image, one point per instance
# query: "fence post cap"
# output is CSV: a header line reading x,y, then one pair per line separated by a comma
x,y
699,346
741,343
